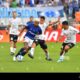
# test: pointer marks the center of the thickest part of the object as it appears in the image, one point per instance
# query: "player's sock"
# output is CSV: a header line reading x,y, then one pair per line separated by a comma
x,y
62,57
14,50
11,49
47,54
19,53
32,52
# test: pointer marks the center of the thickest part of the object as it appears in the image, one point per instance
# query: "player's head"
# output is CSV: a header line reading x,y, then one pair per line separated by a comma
x,y
14,14
36,23
42,19
31,18
65,24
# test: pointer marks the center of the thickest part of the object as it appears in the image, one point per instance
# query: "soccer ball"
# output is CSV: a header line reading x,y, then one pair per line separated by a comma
x,y
19,58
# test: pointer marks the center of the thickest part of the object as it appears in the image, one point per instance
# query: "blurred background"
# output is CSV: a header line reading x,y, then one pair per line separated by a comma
x,y
68,9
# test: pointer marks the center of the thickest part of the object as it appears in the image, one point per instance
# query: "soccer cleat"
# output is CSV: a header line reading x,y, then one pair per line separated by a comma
x,y
11,53
14,58
48,59
60,60
30,56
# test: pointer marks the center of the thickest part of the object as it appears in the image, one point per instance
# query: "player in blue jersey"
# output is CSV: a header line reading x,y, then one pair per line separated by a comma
x,y
30,20
32,31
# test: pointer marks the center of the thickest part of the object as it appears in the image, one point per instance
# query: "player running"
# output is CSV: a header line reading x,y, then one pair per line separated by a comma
x,y
32,31
13,29
70,41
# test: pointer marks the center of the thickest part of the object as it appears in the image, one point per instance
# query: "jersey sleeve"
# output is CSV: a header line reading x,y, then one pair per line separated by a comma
x,y
62,33
40,31
75,30
9,22
20,22
27,26
46,25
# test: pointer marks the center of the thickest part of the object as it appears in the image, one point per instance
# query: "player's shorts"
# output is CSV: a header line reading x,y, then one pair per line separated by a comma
x,y
28,41
42,43
71,45
13,37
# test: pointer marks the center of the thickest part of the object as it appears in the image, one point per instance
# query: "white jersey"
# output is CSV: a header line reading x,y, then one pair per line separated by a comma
x,y
70,35
43,28
14,29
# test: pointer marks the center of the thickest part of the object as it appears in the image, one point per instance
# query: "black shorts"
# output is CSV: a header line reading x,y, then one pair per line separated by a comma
x,y
71,45
13,37
42,43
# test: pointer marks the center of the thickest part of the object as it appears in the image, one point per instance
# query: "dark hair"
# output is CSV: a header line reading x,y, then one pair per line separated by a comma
x,y
31,16
42,17
65,22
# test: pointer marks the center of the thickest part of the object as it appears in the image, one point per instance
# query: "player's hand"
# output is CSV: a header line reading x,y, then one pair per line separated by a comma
x,y
7,32
19,34
57,41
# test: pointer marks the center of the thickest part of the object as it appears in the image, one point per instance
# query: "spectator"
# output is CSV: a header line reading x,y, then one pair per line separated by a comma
x,y
32,3
79,3
6,4
27,2
1,3
70,9
75,8
14,4
22,3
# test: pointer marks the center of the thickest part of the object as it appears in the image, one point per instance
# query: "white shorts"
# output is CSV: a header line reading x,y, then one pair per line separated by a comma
x,y
29,41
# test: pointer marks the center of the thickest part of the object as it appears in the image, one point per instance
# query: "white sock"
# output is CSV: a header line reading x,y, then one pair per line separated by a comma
x,y
11,49
62,57
47,55
32,51
14,50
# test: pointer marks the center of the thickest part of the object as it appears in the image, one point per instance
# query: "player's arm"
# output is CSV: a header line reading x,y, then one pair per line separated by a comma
x,y
24,28
8,27
58,21
39,33
76,30
60,37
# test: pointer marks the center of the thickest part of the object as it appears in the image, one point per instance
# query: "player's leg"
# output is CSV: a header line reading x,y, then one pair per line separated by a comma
x,y
31,55
15,42
27,45
21,52
35,43
45,49
11,45
62,53
65,49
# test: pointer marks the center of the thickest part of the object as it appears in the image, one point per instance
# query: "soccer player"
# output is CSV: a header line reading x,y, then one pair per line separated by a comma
x,y
31,31
70,41
40,40
13,29
30,20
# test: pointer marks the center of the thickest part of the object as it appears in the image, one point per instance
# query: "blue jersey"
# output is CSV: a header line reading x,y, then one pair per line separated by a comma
x,y
33,31
29,23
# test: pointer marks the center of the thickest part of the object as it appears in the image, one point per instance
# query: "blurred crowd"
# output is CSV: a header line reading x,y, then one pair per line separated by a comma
x,y
32,3
70,6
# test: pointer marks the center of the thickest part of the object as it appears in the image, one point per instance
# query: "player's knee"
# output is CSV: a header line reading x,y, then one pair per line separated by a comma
x,y
44,46
33,45
66,48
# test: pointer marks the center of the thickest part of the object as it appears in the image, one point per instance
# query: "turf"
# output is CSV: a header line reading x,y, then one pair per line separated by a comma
x,y
39,64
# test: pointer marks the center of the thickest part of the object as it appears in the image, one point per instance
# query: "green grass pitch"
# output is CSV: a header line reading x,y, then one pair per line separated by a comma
x,y
39,64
